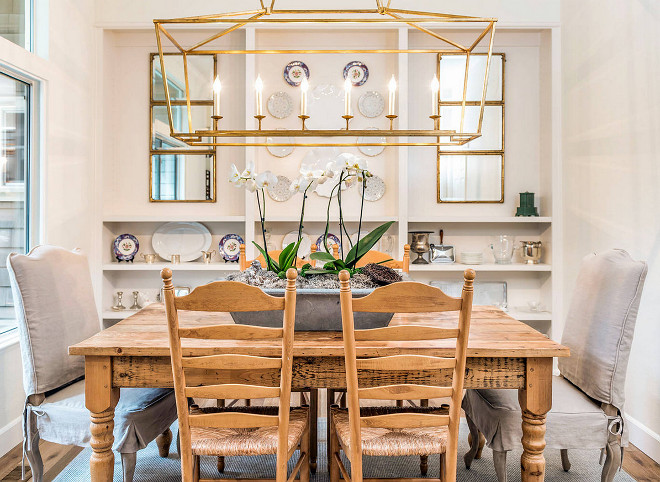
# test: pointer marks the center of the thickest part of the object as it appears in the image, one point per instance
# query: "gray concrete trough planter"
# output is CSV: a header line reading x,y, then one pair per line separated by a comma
x,y
316,310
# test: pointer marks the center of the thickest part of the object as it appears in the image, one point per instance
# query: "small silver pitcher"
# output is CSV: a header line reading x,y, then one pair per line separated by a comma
x,y
207,256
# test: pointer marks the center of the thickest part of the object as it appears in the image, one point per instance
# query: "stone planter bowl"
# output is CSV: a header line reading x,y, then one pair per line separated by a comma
x,y
316,310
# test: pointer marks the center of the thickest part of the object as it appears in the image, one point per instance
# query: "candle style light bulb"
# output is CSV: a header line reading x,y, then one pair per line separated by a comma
x,y
347,96
435,88
392,89
304,87
259,88
217,87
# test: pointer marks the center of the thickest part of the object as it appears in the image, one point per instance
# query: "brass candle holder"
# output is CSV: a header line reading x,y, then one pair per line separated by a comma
x,y
391,117
436,121
303,118
259,119
348,119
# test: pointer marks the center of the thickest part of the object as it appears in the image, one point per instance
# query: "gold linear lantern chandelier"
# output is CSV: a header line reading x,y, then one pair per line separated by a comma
x,y
430,23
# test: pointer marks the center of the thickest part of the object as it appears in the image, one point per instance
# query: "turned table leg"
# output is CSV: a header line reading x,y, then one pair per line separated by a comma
x,y
101,399
535,402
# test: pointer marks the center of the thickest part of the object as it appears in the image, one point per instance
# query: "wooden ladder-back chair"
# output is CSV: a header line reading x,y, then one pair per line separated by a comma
x,y
393,431
275,254
219,431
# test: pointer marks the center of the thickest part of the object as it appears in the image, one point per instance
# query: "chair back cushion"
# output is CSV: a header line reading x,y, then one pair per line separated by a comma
x,y
600,324
55,308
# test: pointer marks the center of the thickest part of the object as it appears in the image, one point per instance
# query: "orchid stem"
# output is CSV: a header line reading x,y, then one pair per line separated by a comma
x,y
262,217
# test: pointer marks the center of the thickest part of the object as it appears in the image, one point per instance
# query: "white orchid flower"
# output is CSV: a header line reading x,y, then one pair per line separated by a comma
x,y
234,175
295,185
265,179
323,179
248,173
251,185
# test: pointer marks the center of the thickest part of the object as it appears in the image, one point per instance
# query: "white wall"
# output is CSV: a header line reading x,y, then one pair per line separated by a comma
x,y
611,65
67,170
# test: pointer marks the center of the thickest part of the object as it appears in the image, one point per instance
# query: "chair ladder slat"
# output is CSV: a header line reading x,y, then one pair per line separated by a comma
x,y
405,362
405,420
231,362
232,420
406,333
229,390
404,392
231,332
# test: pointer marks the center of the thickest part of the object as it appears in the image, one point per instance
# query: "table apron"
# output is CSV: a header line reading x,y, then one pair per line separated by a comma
x,y
317,372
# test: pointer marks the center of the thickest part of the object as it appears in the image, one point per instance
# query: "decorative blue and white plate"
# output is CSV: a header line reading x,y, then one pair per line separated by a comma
x,y
356,71
125,247
294,72
332,239
230,247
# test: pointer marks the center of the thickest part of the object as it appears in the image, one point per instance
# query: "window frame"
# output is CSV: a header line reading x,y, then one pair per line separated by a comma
x,y
34,161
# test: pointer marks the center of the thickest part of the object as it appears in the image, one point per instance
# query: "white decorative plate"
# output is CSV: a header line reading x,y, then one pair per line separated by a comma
x,y
188,240
375,188
326,107
305,247
280,105
371,150
371,104
280,151
280,192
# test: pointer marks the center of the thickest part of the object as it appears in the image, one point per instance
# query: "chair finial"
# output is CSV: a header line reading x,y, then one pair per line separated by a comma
x,y
344,277
469,275
166,274
291,275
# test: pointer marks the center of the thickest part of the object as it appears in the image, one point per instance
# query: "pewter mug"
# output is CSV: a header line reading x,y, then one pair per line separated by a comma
x,y
207,256
149,258
176,258
531,251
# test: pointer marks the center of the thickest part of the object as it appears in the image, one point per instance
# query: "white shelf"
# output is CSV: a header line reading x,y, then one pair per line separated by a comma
x,y
482,219
192,266
172,218
458,267
333,219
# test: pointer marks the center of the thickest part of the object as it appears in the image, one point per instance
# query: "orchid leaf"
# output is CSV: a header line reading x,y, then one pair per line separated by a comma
x,y
291,256
322,256
267,257
285,254
365,244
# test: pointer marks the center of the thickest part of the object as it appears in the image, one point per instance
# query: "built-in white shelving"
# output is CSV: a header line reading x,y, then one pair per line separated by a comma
x,y
532,160
191,266
521,267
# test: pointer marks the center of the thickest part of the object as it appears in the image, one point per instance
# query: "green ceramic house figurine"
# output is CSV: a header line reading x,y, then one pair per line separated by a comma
x,y
527,207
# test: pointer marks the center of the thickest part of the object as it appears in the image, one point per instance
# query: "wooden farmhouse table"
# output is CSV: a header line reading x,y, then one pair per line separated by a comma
x,y
503,353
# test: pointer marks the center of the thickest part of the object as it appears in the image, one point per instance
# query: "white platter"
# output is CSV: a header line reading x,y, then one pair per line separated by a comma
x,y
326,108
280,151
305,248
188,240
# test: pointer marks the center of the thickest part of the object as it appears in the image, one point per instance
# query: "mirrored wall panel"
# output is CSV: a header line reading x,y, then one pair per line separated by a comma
x,y
182,177
179,172
473,172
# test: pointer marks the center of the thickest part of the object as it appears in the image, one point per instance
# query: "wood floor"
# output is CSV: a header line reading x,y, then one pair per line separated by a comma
x,y
56,457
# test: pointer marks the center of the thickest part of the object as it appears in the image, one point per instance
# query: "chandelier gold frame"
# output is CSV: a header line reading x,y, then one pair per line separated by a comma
x,y
382,14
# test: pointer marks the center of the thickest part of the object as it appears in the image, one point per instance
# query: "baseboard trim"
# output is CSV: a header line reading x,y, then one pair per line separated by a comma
x,y
644,438
11,435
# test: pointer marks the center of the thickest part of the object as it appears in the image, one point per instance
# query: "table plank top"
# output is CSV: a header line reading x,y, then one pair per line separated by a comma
x,y
493,333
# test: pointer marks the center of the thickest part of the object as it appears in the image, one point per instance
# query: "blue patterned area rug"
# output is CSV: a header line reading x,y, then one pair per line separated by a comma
x,y
152,468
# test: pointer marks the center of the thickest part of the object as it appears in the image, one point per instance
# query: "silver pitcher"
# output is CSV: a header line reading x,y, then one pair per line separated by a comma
x,y
420,245
207,256
531,251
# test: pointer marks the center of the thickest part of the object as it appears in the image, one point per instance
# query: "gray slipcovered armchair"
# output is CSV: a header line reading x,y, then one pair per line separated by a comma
x,y
55,308
588,397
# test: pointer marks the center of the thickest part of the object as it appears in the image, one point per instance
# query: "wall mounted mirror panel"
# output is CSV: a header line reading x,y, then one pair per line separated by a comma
x,y
178,172
470,178
473,172
182,177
